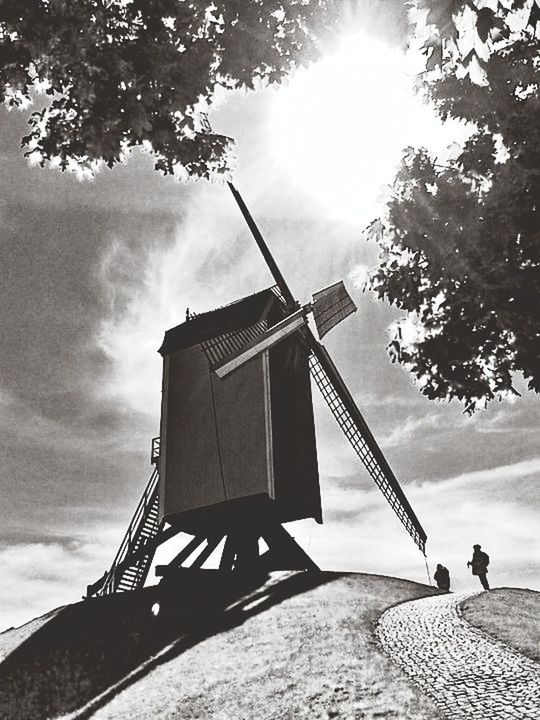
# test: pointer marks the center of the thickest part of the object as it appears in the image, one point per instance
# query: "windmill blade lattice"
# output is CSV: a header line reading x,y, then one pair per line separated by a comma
x,y
354,427
221,347
330,306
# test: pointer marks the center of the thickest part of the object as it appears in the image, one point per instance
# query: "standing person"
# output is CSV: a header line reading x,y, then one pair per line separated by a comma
x,y
442,578
479,564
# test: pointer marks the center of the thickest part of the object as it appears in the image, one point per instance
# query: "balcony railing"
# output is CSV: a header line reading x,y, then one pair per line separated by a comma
x,y
154,456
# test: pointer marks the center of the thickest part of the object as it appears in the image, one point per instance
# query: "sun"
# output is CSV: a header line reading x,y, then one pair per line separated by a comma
x,y
339,127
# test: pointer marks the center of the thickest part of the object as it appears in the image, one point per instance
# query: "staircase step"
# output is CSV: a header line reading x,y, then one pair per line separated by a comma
x,y
126,586
127,580
146,531
128,574
145,536
130,583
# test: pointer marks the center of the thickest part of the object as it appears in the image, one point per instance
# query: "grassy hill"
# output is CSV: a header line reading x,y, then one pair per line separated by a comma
x,y
12,638
510,615
298,646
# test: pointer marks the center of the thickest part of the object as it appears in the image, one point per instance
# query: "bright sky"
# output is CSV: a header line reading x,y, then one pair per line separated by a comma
x,y
339,126
94,273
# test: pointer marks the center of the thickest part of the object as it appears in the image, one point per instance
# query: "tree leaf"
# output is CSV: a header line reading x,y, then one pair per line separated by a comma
x,y
485,22
435,59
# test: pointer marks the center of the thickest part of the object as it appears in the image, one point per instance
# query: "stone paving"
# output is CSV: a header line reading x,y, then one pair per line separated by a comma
x,y
469,675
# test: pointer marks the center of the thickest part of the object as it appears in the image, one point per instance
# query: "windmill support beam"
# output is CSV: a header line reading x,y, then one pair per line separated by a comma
x,y
247,554
192,545
229,553
283,549
213,542
241,551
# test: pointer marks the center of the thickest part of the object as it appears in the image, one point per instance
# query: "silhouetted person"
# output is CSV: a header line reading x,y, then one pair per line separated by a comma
x,y
479,564
442,578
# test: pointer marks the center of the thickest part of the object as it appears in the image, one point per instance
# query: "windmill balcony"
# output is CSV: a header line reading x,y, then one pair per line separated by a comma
x,y
154,455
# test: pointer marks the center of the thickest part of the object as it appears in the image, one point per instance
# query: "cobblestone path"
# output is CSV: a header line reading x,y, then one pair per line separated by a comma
x,y
469,675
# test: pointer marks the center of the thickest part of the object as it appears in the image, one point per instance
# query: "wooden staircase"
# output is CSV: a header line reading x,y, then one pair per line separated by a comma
x,y
134,557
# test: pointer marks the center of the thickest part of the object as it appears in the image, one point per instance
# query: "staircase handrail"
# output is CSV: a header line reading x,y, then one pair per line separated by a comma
x,y
138,517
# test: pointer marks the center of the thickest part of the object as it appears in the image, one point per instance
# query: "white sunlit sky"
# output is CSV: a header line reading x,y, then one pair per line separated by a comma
x,y
93,273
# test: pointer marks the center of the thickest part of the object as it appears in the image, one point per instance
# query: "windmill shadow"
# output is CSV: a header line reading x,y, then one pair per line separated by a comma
x,y
93,650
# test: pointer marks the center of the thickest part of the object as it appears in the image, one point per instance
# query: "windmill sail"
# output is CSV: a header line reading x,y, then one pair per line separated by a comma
x,y
218,349
331,306
338,396
355,428
262,342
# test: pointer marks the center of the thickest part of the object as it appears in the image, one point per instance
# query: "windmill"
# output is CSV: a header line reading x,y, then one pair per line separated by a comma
x,y
236,456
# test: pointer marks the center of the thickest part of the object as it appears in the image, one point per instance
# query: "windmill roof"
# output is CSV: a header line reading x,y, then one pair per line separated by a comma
x,y
237,315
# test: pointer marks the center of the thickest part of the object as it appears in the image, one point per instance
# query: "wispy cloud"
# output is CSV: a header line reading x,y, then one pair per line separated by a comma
x,y
37,577
494,507
510,419
394,400
26,425
499,474
148,288
412,426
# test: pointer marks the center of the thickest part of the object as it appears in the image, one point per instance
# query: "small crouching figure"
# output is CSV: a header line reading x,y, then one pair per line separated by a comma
x,y
442,578
479,565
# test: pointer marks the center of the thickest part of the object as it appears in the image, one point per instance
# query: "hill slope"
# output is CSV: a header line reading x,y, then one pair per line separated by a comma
x,y
510,615
302,646
12,638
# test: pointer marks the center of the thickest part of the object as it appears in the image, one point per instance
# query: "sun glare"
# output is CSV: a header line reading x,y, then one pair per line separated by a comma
x,y
340,126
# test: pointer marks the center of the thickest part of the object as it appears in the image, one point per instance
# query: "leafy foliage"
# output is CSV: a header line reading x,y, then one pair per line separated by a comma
x,y
461,240
463,33
123,73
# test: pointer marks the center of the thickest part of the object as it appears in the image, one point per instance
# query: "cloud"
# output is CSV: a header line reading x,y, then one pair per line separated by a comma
x,y
86,436
499,474
149,286
26,423
37,577
393,400
406,430
511,418
494,506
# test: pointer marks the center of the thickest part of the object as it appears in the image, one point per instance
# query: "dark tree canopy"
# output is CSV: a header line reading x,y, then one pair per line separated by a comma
x,y
461,240
123,73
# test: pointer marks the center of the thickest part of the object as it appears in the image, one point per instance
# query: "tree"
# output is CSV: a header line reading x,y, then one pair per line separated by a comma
x,y
461,34
124,73
461,240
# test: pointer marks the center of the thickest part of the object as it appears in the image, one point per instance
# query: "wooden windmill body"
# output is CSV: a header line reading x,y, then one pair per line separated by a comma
x,y
236,456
